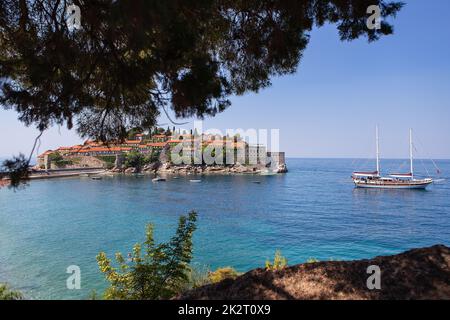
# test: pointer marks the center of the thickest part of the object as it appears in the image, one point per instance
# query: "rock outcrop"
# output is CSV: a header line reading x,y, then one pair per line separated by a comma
x,y
168,168
131,170
282,168
415,274
152,167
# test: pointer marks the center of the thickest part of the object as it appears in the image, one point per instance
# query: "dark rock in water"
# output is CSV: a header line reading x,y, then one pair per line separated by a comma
x,y
415,274
151,167
282,169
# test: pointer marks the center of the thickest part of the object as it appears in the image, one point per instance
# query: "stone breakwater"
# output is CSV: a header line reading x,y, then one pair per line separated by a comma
x,y
167,168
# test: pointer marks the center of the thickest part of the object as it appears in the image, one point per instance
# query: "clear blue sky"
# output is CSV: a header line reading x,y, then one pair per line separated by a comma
x,y
329,108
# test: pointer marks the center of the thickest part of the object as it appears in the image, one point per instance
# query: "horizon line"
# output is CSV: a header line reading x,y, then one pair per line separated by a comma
x,y
361,158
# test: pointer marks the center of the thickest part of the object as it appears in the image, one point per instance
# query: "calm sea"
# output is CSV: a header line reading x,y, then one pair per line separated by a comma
x,y
312,212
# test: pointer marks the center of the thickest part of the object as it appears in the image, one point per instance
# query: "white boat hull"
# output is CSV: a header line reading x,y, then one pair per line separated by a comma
x,y
382,185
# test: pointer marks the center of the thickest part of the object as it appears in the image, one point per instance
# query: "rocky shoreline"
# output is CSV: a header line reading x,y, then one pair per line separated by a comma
x,y
415,274
167,168
154,169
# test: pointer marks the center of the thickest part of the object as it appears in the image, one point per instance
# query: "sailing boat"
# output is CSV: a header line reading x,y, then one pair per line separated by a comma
x,y
395,180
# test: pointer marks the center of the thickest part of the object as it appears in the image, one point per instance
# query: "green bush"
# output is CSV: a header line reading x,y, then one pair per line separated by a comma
x,y
152,157
7,294
64,163
133,132
161,272
134,159
55,157
59,160
222,273
279,262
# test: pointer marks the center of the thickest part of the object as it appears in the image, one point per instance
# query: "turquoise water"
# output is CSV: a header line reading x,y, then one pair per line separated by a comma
x,y
313,211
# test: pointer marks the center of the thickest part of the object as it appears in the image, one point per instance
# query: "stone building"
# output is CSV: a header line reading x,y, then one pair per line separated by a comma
x,y
276,158
257,154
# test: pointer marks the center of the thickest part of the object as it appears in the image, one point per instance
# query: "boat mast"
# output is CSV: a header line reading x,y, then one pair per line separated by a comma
x,y
378,150
411,154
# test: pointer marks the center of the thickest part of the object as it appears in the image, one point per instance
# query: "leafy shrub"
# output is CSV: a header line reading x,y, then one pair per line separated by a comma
x,y
152,157
7,294
222,273
64,163
279,262
59,160
160,273
134,159
55,157
133,132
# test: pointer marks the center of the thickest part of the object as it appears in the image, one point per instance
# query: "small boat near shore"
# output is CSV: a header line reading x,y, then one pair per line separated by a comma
x,y
394,180
268,173
97,178
158,179
195,181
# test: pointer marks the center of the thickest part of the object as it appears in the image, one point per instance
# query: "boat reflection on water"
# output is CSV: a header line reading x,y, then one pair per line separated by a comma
x,y
391,193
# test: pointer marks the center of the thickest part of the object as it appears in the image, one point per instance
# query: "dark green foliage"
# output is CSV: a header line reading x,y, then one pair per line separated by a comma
x,y
59,160
17,170
154,271
132,59
133,132
55,157
64,163
134,159
152,157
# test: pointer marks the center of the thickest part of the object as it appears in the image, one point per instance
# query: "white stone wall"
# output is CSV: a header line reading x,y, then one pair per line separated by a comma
x,y
276,158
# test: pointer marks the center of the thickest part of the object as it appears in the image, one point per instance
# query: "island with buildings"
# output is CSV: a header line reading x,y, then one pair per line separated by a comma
x,y
165,152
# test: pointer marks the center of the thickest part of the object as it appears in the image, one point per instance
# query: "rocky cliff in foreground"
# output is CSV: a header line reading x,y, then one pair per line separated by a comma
x,y
416,274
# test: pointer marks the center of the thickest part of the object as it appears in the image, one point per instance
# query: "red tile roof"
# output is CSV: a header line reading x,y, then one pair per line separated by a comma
x,y
45,153
133,141
157,144
102,149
